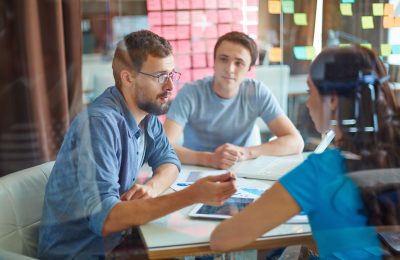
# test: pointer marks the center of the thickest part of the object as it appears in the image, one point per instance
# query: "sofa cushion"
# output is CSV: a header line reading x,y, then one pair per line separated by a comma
x,y
21,201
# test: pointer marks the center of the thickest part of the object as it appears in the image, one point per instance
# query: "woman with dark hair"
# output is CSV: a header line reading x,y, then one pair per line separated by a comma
x,y
338,189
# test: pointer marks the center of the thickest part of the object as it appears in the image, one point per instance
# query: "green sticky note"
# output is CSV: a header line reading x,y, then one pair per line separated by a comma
x,y
348,1
346,9
344,45
366,45
287,7
300,19
377,9
386,49
310,52
367,22
304,52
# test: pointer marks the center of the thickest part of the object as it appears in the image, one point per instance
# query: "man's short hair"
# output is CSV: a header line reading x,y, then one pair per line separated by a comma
x,y
242,39
132,51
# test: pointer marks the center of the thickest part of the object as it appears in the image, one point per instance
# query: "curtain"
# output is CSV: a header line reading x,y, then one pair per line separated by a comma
x,y
40,79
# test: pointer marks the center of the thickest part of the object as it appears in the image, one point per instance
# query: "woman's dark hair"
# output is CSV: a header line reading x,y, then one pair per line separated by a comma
x,y
338,70
242,39
132,51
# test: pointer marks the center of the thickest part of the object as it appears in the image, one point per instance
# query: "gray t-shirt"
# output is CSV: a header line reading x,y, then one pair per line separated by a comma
x,y
210,121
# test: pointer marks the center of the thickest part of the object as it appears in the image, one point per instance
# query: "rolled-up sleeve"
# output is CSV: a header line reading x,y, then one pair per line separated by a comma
x,y
98,168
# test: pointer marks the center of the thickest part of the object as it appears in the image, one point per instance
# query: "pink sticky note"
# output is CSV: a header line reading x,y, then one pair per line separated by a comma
x,y
183,17
183,62
198,17
199,60
210,44
183,32
210,60
250,2
174,46
156,29
223,29
197,31
168,4
183,46
182,4
211,4
237,27
211,31
198,4
169,32
252,15
212,16
224,16
224,3
154,18
169,18
237,15
237,4
153,5
198,46
252,30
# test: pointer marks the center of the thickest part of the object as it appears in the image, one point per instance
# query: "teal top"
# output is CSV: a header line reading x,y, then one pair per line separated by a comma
x,y
334,207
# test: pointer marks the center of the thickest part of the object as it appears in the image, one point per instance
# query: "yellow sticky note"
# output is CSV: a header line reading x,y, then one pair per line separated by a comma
x,y
346,9
274,7
386,49
366,45
300,19
310,52
275,54
388,21
377,9
388,9
367,22
344,45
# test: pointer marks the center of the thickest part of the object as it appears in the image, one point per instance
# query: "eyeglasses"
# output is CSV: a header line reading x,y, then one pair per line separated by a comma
x,y
162,78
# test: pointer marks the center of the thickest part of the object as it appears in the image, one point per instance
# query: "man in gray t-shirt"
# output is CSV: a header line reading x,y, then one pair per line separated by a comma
x,y
217,114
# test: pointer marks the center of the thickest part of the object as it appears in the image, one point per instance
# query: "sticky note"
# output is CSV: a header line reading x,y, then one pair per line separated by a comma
x,y
153,5
377,9
182,4
304,52
274,7
224,28
397,21
183,32
348,1
198,17
210,4
197,31
168,32
275,54
183,46
183,17
288,7
388,21
344,45
212,16
346,9
169,18
224,16
300,19
154,18
184,61
199,60
237,15
210,45
388,9
211,31
156,29
396,49
366,45
198,4
252,2
198,46
224,4
168,4
367,22
386,49
236,3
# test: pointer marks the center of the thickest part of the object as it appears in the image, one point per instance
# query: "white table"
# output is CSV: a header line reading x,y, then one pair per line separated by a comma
x,y
177,235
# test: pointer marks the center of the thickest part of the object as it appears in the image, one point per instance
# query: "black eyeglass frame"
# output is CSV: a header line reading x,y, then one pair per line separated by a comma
x,y
173,75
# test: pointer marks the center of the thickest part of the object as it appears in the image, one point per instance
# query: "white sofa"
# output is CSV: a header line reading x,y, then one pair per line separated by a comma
x,y
21,202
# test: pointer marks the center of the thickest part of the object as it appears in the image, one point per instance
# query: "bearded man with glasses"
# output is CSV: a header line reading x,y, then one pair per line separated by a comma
x,y
92,196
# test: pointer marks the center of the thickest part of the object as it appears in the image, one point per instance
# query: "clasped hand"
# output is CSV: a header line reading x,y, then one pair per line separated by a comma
x,y
227,155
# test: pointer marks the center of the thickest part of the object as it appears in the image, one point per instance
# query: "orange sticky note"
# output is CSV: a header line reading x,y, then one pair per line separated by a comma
x,y
389,9
388,22
397,21
274,7
275,54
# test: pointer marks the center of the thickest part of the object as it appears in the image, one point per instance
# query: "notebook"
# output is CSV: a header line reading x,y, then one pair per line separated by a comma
x,y
274,167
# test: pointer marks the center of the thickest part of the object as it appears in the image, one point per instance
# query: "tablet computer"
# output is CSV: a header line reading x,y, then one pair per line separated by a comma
x,y
230,207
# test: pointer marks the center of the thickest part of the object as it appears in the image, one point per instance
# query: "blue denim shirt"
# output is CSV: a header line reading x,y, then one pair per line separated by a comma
x,y
95,165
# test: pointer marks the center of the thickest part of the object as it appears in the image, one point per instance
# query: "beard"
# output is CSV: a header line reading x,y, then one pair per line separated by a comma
x,y
153,108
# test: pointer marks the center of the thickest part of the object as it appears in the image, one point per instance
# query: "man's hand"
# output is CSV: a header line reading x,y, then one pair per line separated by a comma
x,y
227,155
139,191
214,190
